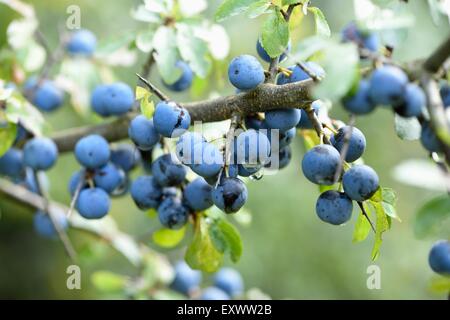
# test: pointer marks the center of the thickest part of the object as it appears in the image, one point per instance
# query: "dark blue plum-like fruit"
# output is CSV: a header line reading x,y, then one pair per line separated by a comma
x,y
252,147
186,280
172,213
284,158
367,40
82,42
92,151
319,164
75,181
429,139
230,281
40,153
208,160
245,72
44,226
185,80
439,257
143,133
93,203
414,102
146,192
334,207
213,293
170,119
304,122
360,102
262,53
360,182
185,150
230,195
298,74
167,172
282,119
445,95
254,122
125,156
109,177
11,163
356,142
112,99
197,195
387,85
44,95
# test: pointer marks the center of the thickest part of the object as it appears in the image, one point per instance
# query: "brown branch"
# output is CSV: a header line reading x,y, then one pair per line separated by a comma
x,y
103,229
265,97
437,59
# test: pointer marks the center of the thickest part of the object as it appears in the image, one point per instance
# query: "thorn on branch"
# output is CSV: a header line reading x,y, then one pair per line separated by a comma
x,y
153,89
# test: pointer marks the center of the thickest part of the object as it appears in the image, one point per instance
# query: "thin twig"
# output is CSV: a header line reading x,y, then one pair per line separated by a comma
x,y
309,72
317,125
363,211
68,247
345,147
76,193
153,89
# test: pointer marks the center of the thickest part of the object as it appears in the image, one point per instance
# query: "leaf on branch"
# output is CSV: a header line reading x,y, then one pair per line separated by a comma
x,y
108,282
193,49
8,132
258,8
226,238
322,27
144,40
382,221
168,238
275,34
230,8
407,128
19,109
166,56
202,253
440,285
147,106
431,217
362,226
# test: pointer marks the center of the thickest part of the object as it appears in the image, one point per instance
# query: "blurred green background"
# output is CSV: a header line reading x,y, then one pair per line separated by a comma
x,y
288,251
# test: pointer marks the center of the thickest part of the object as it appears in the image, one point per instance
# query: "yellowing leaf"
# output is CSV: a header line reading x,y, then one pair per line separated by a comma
x,y
141,93
168,238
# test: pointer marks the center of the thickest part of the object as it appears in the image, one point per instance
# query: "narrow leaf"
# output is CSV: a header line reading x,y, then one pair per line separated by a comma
x,y
275,34
431,216
8,132
322,27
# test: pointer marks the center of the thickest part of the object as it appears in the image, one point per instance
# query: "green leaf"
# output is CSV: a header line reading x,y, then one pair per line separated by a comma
x,y
8,132
147,108
193,49
362,228
288,2
258,8
166,54
19,109
341,63
144,40
382,223
407,128
168,238
230,8
275,34
202,254
389,202
226,238
308,47
141,93
107,281
310,138
166,294
431,216
440,285
322,27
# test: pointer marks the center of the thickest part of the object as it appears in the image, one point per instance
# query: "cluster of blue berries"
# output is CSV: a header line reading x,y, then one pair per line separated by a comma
x,y
22,166
45,94
227,283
